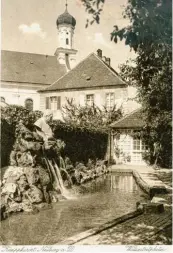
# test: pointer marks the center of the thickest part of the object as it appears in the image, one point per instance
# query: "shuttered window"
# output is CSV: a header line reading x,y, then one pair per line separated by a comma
x,y
53,103
82,99
58,103
47,102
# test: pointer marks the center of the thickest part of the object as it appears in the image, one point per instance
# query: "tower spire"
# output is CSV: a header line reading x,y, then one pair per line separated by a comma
x,y
65,53
66,5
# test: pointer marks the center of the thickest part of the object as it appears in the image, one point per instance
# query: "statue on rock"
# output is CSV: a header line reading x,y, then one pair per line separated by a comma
x,y
38,175
33,178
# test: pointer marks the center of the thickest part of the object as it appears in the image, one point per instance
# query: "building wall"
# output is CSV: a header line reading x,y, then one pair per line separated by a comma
x,y
17,93
127,149
79,97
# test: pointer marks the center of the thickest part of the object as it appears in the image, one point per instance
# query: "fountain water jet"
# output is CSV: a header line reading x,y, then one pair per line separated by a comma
x,y
65,192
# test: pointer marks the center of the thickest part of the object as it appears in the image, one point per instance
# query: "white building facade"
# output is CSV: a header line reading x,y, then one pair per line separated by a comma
x,y
39,82
127,146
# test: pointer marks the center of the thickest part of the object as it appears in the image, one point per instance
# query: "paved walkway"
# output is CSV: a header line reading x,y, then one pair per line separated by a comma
x,y
146,229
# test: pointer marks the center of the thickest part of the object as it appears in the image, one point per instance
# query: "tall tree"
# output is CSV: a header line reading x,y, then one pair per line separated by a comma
x,y
149,34
91,117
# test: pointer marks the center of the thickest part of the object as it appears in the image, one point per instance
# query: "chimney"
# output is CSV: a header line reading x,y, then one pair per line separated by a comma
x,y
99,53
108,61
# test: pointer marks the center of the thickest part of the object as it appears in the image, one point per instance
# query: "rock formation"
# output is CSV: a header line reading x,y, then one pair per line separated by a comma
x,y
38,176
33,175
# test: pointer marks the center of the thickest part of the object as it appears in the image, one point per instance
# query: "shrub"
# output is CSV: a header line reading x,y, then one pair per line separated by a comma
x,y
81,143
90,117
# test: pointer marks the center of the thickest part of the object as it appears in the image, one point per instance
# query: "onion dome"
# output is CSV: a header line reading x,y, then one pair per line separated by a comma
x,y
66,19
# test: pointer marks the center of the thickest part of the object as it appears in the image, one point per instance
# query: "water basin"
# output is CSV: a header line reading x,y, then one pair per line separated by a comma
x,y
94,203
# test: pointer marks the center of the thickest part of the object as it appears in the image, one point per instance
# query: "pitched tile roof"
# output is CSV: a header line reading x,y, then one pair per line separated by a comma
x,y
133,120
30,68
91,72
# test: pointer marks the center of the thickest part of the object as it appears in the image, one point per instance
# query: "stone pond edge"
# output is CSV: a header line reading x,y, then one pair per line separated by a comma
x,y
150,190
143,184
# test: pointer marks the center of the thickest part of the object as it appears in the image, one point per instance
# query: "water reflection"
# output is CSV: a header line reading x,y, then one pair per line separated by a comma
x,y
96,202
125,183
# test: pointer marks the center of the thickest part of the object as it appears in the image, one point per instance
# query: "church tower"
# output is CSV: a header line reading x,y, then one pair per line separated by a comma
x,y
65,53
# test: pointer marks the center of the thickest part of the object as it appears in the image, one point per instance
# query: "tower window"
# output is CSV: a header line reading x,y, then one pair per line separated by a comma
x,y
67,41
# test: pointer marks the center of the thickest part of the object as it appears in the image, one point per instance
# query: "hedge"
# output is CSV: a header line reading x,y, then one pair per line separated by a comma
x,y
81,143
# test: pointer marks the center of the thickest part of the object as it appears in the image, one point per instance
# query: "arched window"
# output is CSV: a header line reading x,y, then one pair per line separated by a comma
x,y
29,104
67,41
2,99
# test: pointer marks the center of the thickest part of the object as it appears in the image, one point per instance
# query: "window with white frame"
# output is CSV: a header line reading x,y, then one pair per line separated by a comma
x,y
139,145
125,143
137,157
138,148
144,146
90,99
110,100
53,103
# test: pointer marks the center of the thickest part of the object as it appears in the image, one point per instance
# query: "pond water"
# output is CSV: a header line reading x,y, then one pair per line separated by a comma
x,y
95,203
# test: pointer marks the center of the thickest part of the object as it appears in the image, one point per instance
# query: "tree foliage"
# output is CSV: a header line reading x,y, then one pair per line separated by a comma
x,y
93,7
90,117
149,34
15,114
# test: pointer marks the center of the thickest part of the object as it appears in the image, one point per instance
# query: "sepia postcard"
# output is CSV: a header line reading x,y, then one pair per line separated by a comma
x,y
86,137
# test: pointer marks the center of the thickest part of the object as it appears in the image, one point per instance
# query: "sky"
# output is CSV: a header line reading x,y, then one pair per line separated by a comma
x,y
30,26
